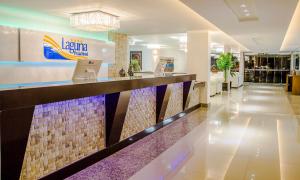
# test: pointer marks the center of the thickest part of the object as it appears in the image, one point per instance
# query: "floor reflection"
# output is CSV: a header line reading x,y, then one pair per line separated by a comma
x,y
250,133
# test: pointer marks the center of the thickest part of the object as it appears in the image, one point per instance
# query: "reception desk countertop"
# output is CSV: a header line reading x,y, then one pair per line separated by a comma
x,y
20,95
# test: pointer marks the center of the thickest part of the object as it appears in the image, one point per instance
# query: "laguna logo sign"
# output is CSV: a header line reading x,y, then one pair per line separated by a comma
x,y
68,49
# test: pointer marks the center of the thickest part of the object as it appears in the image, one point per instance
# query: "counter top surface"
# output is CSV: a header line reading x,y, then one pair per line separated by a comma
x,y
28,94
4,87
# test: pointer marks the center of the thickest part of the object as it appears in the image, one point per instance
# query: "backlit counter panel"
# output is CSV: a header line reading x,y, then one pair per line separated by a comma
x,y
48,127
176,100
141,112
62,133
195,97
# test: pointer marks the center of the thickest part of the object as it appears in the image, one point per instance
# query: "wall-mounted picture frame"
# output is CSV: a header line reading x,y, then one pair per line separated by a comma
x,y
137,56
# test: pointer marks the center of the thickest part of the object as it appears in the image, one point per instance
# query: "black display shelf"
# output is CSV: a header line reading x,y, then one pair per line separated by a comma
x,y
267,68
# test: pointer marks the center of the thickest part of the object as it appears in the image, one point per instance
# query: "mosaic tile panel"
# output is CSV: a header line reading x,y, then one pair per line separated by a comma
x,y
141,112
194,97
176,100
62,133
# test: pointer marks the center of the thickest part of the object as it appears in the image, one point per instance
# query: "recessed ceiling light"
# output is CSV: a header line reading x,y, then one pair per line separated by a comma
x,y
244,11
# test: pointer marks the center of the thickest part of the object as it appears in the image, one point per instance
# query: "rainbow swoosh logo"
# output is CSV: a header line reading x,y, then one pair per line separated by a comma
x,y
68,50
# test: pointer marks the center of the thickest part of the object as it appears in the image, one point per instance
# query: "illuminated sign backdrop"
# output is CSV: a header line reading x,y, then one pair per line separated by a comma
x,y
68,49
46,46
37,46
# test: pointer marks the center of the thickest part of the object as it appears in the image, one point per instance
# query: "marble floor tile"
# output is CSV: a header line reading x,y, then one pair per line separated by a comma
x,y
252,134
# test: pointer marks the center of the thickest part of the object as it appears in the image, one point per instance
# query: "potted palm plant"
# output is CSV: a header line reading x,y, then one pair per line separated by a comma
x,y
225,63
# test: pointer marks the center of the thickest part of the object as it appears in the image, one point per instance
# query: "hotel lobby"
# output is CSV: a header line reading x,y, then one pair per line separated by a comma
x,y
150,89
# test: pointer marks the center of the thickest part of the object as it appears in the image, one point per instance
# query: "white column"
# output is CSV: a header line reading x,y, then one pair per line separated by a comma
x,y
198,60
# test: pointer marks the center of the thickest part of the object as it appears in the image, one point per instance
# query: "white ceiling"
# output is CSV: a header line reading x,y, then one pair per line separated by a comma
x,y
265,34
180,39
163,40
138,17
292,38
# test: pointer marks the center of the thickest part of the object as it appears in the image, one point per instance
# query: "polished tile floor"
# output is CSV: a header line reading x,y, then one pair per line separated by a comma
x,y
251,133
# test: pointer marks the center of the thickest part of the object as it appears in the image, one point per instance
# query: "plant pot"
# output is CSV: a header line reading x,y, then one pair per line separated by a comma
x,y
226,86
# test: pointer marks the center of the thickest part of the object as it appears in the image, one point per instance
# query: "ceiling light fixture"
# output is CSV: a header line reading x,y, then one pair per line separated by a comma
x,y
95,21
153,46
182,38
133,41
244,11
183,49
243,5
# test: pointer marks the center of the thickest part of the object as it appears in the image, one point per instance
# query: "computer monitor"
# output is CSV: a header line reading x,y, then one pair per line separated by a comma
x,y
159,68
87,69
164,66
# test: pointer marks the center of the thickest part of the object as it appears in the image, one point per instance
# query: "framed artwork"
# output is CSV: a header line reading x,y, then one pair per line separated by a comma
x,y
137,56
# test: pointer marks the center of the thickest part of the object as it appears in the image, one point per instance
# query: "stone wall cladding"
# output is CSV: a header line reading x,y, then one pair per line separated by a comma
x,y
62,133
194,97
141,112
176,100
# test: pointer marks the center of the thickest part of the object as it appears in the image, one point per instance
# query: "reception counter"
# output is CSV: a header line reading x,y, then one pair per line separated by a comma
x,y
54,126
